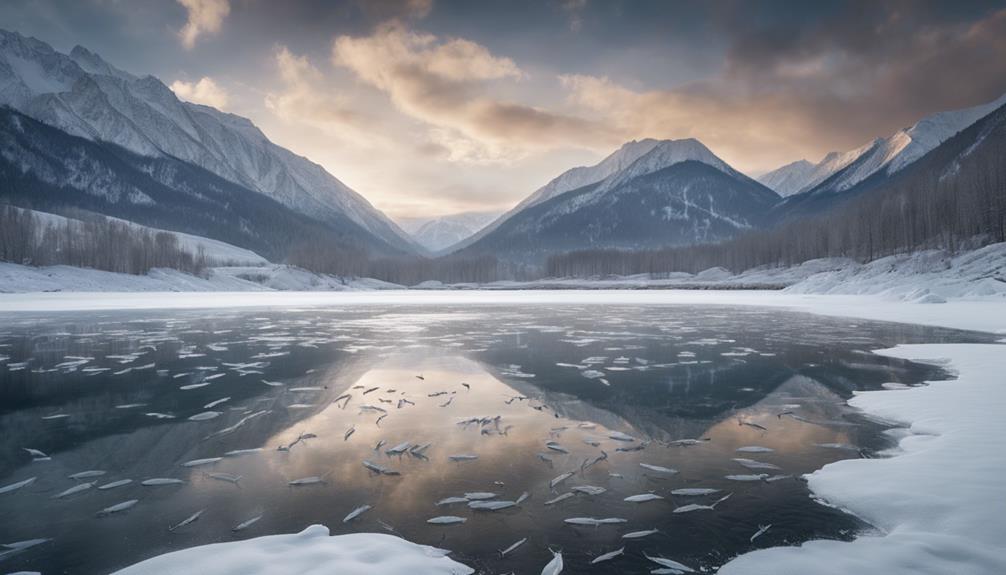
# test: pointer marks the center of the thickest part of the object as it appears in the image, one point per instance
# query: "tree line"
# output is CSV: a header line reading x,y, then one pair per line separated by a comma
x,y
97,242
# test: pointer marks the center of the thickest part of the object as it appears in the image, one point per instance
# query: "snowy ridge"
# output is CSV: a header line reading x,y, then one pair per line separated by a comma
x,y
436,234
85,96
570,180
789,179
891,154
882,155
664,155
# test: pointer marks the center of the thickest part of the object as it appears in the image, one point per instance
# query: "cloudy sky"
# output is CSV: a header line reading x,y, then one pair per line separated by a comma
x,y
431,107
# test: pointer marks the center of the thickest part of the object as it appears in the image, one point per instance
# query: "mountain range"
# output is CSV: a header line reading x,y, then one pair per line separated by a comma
x,y
84,96
439,233
77,132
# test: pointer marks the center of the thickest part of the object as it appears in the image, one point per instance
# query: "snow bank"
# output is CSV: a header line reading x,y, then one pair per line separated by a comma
x,y
310,552
938,501
926,277
16,278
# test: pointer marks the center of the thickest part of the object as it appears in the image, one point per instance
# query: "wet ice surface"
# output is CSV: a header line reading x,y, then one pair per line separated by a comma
x,y
550,391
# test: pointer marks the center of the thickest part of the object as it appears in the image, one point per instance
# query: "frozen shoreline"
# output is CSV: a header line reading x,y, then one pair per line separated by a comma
x,y
937,500
981,314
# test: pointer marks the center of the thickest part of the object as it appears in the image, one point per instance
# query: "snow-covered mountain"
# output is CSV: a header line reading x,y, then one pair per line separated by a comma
x,y
676,193
436,234
658,154
841,171
789,179
83,95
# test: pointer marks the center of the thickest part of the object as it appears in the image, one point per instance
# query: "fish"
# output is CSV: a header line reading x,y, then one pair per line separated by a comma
x,y
589,489
588,463
9,549
309,388
698,507
545,458
87,474
757,477
159,415
312,480
593,521
35,454
378,422
379,468
554,567
466,386
190,519
619,436
379,445
115,484
213,404
153,482
420,378
237,452
658,468
398,449
130,405
761,530
754,449
559,498
192,386
504,552
752,464
204,416
479,495
370,390
118,507
694,491
642,498
491,505
246,524
419,449
640,534
75,489
198,462
842,446
523,496
639,447
452,500
777,478
670,563
752,424
463,457
559,479
608,556
356,513
349,432
446,520
556,447
235,479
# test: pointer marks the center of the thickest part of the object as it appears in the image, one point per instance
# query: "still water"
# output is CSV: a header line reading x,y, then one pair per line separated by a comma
x,y
524,395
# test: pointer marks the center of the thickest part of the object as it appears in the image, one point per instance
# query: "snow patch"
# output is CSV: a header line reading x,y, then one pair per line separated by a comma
x,y
312,550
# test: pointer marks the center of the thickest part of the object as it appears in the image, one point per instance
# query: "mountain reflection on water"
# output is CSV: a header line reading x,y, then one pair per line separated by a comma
x,y
115,392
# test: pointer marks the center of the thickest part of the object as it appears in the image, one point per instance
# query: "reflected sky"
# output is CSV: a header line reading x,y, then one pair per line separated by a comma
x,y
116,391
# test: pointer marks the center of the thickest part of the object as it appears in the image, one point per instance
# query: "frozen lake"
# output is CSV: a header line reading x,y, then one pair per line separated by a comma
x,y
534,392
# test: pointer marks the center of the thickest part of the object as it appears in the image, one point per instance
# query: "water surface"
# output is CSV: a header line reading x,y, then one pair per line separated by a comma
x,y
115,391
